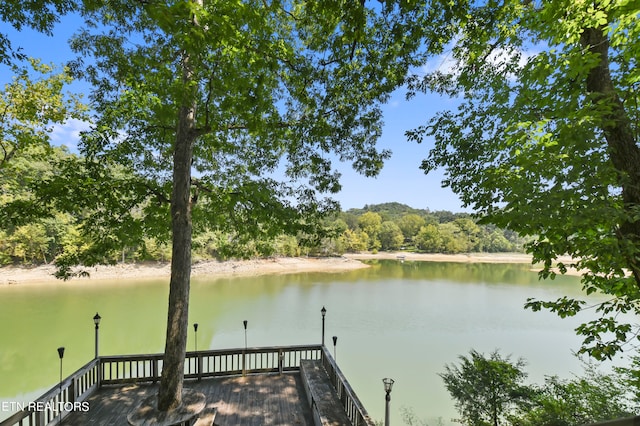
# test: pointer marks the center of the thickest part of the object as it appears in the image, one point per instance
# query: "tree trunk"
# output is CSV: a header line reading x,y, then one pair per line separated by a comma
x,y
170,391
623,150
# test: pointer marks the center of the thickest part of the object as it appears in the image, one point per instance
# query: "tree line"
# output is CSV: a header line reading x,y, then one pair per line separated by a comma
x,y
386,227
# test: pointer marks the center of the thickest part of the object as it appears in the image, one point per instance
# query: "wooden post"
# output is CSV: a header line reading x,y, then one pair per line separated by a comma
x,y
154,368
99,373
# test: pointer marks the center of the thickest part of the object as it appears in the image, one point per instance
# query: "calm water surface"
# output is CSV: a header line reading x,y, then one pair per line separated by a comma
x,y
399,320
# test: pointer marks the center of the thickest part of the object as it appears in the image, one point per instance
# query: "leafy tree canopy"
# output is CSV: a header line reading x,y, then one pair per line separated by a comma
x,y
545,140
490,391
31,104
278,89
486,389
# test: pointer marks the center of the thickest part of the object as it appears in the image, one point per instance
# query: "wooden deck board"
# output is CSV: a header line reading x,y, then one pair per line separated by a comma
x,y
254,400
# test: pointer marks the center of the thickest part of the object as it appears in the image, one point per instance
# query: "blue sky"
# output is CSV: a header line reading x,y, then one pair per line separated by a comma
x,y
401,180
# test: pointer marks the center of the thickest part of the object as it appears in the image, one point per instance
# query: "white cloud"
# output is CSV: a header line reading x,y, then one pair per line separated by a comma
x,y
447,64
68,133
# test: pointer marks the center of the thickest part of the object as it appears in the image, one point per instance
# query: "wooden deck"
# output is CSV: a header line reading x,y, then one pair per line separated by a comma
x,y
261,399
271,393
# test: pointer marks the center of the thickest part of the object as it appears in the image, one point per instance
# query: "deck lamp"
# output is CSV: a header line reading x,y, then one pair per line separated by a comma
x,y
96,321
244,357
323,311
61,355
388,384
195,331
245,333
335,342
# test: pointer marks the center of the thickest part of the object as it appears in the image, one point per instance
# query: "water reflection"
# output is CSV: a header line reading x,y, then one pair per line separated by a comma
x,y
403,320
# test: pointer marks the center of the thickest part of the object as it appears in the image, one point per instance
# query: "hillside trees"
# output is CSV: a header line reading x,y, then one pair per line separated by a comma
x,y
199,103
545,141
31,104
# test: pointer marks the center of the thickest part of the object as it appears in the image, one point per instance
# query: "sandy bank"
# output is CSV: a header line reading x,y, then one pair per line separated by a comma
x,y
10,275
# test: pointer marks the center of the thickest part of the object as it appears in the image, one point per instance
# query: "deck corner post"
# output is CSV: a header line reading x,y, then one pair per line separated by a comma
x,y
199,366
280,360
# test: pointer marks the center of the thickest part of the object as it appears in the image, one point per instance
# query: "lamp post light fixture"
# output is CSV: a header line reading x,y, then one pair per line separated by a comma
x,y
195,331
96,321
60,398
335,342
61,355
244,356
245,334
388,384
323,311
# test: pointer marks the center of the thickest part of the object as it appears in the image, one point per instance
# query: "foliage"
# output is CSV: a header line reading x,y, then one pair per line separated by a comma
x,y
67,243
583,400
31,104
410,418
410,224
390,236
545,140
371,223
489,391
486,390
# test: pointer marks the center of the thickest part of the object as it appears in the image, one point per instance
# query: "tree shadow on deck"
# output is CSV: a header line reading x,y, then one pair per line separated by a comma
x,y
258,400
261,399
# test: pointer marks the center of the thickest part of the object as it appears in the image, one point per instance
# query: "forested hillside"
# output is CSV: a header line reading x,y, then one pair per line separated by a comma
x,y
382,227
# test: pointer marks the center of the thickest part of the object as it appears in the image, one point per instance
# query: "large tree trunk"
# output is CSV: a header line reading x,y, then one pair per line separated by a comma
x,y
170,392
623,150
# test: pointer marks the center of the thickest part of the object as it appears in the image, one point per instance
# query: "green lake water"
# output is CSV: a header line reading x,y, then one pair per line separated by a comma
x,y
399,320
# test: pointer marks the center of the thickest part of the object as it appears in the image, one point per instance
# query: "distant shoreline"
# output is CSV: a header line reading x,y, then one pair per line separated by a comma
x,y
13,275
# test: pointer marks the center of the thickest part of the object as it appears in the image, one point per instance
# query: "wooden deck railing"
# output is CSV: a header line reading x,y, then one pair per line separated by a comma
x,y
60,400
148,368
63,398
352,405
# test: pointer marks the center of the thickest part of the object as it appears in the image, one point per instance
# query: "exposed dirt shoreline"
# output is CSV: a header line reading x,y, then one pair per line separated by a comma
x,y
10,275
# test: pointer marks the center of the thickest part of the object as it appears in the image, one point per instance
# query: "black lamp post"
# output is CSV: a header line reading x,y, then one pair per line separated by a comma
x,y
244,358
60,398
195,331
388,384
335,342
245,334
96,321
323,311
60,355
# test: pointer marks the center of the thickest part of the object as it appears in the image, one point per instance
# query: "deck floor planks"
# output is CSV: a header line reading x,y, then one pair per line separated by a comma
x,y
254,400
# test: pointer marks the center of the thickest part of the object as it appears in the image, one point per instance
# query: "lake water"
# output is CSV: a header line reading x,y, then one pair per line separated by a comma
x,y
399,320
